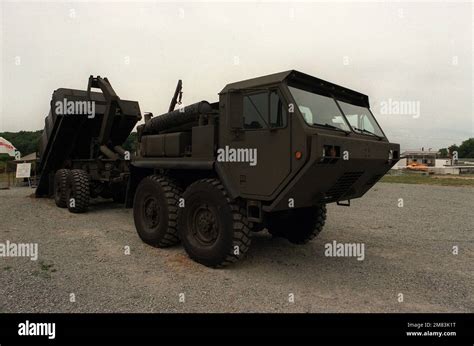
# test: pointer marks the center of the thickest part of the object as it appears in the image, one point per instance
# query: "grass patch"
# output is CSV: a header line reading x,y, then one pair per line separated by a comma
x,y
427,180
46,270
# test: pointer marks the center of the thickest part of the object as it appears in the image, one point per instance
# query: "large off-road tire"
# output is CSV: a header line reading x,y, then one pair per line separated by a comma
x,y
78,195
60,187
213,228
155,210
162,123
299,226
184,116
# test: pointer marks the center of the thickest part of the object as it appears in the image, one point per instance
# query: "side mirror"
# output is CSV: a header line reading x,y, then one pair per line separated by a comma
x,y
235,118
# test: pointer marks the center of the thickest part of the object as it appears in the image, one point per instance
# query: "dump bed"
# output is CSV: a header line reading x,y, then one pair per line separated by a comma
x,y
72,136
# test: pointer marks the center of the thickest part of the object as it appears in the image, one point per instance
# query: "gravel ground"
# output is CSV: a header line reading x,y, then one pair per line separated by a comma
x,y
408,250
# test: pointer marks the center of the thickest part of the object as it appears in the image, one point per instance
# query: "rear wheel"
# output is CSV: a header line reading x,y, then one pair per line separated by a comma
x,y
212,227
299,226
155,211
78,191
60,187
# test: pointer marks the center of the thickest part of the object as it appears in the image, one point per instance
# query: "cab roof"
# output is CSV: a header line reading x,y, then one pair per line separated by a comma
x,y
304,81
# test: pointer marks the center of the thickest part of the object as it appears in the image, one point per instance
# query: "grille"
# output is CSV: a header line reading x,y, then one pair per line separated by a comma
x,y
342,185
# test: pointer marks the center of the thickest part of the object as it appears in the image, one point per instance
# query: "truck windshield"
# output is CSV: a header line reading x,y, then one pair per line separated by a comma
x,y
361,119
318,109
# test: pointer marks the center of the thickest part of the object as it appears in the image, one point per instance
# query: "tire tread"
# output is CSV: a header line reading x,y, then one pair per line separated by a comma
x,y
240,226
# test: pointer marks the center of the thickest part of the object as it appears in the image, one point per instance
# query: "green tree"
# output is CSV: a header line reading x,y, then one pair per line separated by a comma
x,y
466,149
453,148
130,143
26,142
443,153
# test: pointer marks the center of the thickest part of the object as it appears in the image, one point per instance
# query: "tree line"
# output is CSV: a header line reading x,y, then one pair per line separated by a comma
x,y
465,150
27,142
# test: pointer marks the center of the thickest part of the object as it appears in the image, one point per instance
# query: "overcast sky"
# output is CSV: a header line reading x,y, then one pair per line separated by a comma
x,y
393,52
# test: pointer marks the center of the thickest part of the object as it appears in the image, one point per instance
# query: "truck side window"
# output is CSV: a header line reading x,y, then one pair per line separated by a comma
x,y
278,115
255,111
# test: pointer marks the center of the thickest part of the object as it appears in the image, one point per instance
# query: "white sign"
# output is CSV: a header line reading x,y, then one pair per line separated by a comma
x,y
23,170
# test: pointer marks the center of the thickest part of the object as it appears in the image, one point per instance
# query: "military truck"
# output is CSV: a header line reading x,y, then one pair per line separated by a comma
x,y
270,154
81,153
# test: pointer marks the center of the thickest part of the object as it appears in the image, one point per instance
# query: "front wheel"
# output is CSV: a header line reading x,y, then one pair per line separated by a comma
x,y
299,226
213,228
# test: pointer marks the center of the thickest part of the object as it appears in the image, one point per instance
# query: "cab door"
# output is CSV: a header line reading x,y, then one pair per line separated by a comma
x,y
267,132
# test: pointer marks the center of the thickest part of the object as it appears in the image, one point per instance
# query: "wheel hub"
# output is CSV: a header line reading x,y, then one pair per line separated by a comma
x,y
205,227
152,212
